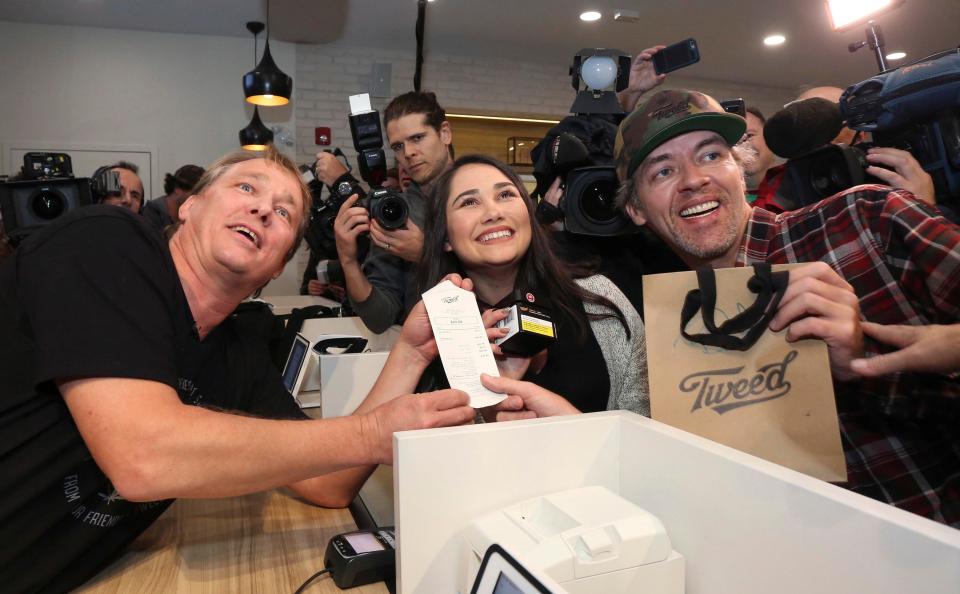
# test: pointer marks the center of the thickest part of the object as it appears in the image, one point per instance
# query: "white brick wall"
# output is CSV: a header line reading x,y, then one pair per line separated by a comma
x,y
327,74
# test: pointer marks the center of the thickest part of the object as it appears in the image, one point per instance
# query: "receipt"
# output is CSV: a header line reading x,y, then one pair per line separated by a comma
x,y
462,341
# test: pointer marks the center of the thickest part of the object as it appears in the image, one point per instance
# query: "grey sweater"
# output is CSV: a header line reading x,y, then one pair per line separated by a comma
x,y
626,358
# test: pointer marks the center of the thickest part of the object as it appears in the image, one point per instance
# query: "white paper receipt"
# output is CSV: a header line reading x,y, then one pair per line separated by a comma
x,y
462,341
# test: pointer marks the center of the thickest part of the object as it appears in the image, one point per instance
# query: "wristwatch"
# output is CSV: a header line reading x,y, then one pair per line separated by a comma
x,y
344,186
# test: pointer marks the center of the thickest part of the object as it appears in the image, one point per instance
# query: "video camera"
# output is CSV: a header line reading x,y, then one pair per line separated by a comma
x,y
588,205
914,108
45,190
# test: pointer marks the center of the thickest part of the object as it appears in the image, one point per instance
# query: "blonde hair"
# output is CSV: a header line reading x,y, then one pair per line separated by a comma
x,y
272,155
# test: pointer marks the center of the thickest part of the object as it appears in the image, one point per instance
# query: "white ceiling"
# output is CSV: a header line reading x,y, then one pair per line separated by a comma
x,y
729,32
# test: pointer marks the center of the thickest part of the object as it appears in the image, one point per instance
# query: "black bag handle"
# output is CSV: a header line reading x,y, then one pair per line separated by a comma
x,y
769,287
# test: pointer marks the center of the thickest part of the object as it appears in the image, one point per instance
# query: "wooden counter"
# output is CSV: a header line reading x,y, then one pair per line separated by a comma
x,y
264,542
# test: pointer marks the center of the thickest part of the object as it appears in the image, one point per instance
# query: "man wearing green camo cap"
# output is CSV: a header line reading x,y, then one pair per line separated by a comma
x,y
874,253
681,177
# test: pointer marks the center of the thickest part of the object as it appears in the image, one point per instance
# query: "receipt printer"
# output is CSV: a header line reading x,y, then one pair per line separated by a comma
x,y
587,539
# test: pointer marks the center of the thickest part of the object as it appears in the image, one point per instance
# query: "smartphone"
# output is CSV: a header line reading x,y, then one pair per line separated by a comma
x,y
736,106
676,56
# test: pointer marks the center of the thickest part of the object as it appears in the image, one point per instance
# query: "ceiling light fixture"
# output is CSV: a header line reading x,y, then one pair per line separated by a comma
x,y
256,136
896,55
772,40
848,13
266,84
590,16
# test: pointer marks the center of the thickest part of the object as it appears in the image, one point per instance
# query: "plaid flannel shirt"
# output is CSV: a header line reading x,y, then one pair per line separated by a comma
x,y
900,433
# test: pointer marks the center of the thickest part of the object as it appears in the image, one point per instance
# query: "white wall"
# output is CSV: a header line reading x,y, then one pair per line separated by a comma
x,y
179,96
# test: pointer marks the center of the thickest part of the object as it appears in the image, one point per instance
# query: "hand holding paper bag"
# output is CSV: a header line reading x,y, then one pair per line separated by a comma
x,y
820,304
775,398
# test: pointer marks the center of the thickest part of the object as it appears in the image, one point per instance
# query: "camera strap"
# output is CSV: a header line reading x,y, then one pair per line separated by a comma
x,y
769,287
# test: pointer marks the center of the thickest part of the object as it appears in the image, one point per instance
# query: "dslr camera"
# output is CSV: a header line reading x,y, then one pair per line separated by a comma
x,y
45,190
386,206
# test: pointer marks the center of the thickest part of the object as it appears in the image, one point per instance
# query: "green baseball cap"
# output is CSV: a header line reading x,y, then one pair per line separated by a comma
x,y
668,114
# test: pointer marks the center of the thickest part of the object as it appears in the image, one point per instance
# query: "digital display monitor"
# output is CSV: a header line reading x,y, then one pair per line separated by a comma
x,y
363,542
505,586
501,573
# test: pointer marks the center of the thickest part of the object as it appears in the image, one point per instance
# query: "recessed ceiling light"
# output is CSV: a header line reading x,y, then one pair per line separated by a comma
x,y
772,40
590,15
896,55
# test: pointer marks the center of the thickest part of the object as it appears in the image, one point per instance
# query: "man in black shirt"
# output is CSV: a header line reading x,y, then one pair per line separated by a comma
x,y
120,363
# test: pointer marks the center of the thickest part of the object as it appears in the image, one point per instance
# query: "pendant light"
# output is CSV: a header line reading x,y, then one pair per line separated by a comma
x,y
256,136
266,84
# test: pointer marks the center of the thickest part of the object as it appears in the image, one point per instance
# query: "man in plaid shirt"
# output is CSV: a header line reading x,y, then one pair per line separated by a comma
x,y
878,254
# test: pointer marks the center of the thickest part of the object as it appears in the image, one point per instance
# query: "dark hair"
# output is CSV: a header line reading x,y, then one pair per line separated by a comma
x,y
757,113
540,268
185,178
423,102
125,165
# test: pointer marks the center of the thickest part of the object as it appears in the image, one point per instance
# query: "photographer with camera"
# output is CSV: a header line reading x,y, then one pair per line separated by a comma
x,y
130,195
577,185
818,116
382,287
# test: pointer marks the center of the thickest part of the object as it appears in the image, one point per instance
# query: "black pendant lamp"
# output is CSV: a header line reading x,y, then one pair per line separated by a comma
x,y
266,84
256,136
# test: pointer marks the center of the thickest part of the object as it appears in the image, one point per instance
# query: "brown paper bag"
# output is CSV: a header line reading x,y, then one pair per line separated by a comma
x,y
773,400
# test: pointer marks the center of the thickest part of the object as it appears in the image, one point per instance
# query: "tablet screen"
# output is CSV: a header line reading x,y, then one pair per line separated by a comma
x,y
501,573
505,586
297,354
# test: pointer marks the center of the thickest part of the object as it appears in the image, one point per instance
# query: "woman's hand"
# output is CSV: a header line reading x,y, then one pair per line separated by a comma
x,y
417,333
526,400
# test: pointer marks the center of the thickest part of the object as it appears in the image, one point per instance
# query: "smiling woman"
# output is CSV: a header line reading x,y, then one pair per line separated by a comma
x,y
480,224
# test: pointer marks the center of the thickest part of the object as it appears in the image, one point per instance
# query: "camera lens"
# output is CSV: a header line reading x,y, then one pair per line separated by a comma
x,y
391,212
829,175
48,204
597,200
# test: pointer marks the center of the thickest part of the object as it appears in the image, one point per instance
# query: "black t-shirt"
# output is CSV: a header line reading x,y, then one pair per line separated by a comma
x,y
575,369
155,211
96,294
